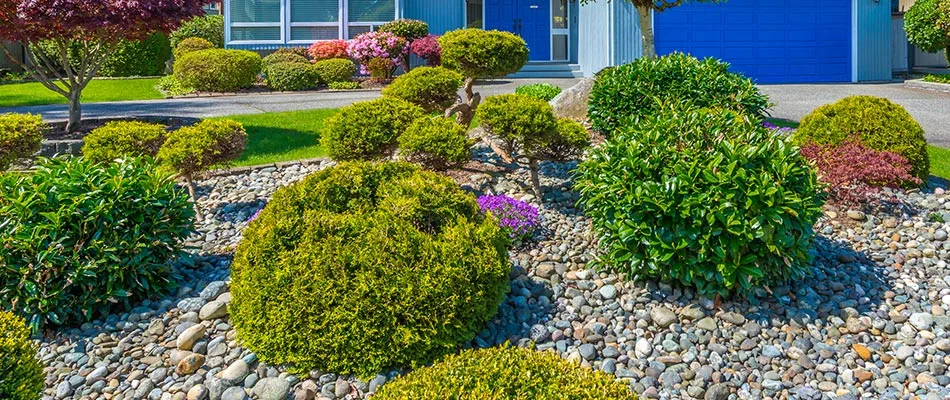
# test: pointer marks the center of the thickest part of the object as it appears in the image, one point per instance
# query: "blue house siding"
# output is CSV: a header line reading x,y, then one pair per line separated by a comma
x,y
608,34
628,42
441,15
874,46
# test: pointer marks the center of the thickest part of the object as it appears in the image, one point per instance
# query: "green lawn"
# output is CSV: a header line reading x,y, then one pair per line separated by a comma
x,y
99,90
284,136
939,161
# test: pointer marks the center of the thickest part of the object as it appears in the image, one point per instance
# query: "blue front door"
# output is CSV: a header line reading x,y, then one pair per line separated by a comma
x,y
530,19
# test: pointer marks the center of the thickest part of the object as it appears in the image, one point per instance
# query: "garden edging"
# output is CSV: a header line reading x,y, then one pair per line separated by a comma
x,y
921,84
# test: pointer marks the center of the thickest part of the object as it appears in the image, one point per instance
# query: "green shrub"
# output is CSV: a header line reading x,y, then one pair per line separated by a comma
x,y
436,143
937,78
335,70
21,374
540,91
343,85
383,242
927,24
381,69
432,88
217,70
641,88
368,130
300,51
20,137
191,150
82,237
170,86
292,76
408,29
210,28
138,58
277,58
481,54
706,198
191,45
877,123
123,139
505,373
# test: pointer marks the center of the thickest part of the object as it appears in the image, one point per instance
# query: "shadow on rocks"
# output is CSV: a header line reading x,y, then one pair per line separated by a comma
x,y
521,315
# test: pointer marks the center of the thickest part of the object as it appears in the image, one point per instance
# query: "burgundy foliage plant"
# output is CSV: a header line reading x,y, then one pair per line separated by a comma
x,y
97,26
855,174
428,49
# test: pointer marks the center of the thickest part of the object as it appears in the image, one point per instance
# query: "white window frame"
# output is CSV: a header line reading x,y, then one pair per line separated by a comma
x,y
566,32
285,25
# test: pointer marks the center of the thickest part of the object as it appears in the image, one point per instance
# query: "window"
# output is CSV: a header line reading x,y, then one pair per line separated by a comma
x,y
312,20
559,31
473,13
255,20
367,15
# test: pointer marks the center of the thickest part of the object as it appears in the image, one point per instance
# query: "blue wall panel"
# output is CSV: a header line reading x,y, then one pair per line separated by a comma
x,y
874,41
442,15
771,41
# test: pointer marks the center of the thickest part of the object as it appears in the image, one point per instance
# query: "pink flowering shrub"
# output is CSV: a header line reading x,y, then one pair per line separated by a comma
x,y
327,50
855,174
428,49
370,45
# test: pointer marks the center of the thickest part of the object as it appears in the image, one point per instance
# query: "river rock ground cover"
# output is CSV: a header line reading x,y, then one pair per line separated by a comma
x,y
869,323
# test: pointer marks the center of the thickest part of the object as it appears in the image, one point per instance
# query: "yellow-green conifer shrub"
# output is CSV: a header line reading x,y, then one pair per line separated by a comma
x,y
21,374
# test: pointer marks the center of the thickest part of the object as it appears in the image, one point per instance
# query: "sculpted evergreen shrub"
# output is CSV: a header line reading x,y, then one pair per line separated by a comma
x,y
505,373
335,70
708,199
368,130
436,143
207,27
432,88
218,70
409,29
365,267
277,58
20,137
540,91
123,139
191,150
300,51
80,238
190,45
21,374
292,76
877,123
641,88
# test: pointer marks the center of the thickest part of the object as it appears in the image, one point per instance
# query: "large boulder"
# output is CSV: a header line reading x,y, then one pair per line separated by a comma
x,y
572,102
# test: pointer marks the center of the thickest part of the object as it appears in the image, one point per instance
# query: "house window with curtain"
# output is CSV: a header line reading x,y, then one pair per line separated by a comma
x,y
256,20
304,21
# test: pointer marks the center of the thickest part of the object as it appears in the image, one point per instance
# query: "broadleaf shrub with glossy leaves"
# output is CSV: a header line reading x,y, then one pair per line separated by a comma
x,y
335,70
207,27
505,373
368,130
190,45
328,50
292,76
20,137
358,242
432,88
436,143
540,91
627,92
855,174
145,57
123,139
21,373
705,198
927,24
481,54
82,239
218,70
877,123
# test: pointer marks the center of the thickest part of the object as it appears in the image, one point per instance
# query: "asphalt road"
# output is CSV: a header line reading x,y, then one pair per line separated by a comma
x,y
930,108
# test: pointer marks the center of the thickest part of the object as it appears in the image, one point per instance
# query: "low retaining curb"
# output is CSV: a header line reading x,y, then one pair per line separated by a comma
x,y
921,84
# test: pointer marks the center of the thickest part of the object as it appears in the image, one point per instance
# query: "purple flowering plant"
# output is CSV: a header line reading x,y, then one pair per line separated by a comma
x,y
518,218
370,45
778,129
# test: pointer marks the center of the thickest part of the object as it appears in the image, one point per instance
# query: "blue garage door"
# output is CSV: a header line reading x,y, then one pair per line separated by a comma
x,y
771,41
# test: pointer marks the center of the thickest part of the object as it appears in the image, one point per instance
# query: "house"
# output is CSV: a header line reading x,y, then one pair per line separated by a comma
x,y
772,41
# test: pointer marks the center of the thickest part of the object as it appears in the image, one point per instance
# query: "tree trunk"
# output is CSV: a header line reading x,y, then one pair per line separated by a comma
x,y
646,30
465,111
75,111
193,193
535,179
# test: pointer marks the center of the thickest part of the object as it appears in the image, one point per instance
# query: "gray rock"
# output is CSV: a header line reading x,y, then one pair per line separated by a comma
x,y
608,292
213,290
234,393
235,373
717,392
213,310
707,324
96,375
588,351
572,102
643,348
192,304
272,388
921,321
191,335
662,316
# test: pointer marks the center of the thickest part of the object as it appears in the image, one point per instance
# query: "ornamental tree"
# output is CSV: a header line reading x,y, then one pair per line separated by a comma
x,y
644,11
928,25
97,27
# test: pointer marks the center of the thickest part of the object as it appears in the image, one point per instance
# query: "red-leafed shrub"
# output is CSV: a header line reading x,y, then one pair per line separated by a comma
x,y
855,174
428,49
327,50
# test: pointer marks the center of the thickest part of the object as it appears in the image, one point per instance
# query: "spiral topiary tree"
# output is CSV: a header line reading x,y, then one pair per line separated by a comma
x,y
98,27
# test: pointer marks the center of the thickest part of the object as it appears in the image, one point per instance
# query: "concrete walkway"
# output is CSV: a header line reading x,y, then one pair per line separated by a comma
x,y
930,108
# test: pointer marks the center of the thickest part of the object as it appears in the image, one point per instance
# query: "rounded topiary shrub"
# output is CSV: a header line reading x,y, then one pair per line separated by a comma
x,y
20,137
436,143
540,91
218,70
927,24
481,54
432,88
82,238
191,45
285,57
123,139
191,150
291,76
365,267
517,120
875,122
138,58
368,130
409,29
21,374
624,93
208,27
335,70
505,373
708,199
